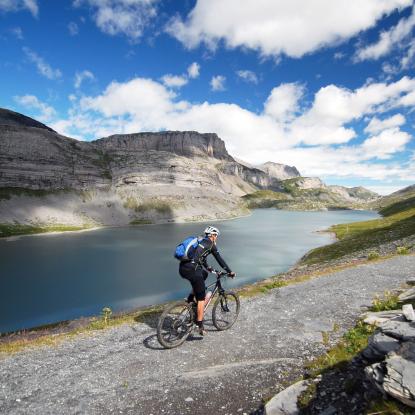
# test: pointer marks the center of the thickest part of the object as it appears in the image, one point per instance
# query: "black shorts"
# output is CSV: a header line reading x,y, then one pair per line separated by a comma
x,y
196,276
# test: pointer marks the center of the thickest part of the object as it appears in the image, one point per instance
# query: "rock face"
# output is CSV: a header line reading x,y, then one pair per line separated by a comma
x,y
167,176
393,347
187,144
396,374
163,176
279,171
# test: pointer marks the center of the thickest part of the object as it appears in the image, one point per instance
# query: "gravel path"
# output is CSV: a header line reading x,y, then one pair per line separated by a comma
x,y
124,371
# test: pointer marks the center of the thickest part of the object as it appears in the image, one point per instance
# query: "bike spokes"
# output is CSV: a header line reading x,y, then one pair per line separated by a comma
x,y
225,311
175,325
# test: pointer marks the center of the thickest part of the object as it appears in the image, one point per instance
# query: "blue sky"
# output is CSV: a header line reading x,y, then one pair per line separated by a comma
x,y
326,86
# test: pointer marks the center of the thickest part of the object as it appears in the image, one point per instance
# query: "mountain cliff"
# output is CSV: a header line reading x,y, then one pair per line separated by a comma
x,y
46,178
279,171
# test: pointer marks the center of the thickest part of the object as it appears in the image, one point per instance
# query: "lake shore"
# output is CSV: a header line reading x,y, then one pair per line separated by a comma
x,y
126,243
179,220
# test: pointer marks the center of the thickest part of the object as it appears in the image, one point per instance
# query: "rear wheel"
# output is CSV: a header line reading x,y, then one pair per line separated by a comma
x,y
175,324
225,310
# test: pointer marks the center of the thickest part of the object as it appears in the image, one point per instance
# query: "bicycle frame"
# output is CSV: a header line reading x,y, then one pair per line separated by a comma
x,y
218,287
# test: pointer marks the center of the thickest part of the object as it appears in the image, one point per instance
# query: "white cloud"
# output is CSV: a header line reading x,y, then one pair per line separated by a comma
x,y
73,28
388,40
193,70
386,143
16,5
217,83
32,102
82,76
282,103
248,76
334,107
174,81
126,17
43,67
408,58
278,133
376,125
293,28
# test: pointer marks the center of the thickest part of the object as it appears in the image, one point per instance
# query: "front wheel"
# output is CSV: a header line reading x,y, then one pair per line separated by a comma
x,y
225,310
175,324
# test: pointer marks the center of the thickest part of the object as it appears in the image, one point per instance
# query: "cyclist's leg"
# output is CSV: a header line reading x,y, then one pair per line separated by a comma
x,y
198,284
186,271
196,277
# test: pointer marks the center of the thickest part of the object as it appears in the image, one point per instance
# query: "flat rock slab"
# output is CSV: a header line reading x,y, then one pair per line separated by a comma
x,y
407,295
379,346
399,380
380,317
399,329
396,375
285,403
408,312
123,370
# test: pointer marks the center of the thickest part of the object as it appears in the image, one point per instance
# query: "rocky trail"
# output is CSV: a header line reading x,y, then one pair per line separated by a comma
x,y
123,370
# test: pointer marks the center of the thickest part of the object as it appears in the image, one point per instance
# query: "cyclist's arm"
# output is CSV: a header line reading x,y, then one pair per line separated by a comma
x,y
220,260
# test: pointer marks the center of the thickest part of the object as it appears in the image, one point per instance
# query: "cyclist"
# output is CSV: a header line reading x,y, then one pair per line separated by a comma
x,y
196,270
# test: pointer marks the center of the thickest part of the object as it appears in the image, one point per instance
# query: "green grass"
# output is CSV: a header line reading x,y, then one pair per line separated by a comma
x,y
265,199
140,222
389,301
159,206
402,250
398,207
265,194
352,343
358,236
104,321
8,229
388,406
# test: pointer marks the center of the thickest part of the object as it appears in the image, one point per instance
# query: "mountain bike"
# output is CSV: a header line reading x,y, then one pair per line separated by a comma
x,y
178,320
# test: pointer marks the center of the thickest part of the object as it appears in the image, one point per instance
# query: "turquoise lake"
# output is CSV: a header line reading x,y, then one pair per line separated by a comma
x,y
49,278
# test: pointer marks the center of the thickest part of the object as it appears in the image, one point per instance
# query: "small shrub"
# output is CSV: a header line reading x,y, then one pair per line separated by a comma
x,y
402,250
388,302
326,338
373,255
352,342
106,314
305,397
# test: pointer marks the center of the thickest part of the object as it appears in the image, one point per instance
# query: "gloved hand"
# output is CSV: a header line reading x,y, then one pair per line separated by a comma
x,y
210,269
232,274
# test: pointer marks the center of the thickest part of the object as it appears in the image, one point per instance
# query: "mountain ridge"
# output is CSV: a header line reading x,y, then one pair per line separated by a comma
x,y
143,177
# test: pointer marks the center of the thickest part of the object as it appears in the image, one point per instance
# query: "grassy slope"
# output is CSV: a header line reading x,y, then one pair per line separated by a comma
x,y
398,222
294,198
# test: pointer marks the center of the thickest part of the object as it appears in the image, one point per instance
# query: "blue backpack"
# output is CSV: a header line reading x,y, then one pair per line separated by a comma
x,y
185,249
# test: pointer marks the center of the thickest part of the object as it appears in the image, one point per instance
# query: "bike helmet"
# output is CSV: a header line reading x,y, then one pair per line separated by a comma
x,y
211,230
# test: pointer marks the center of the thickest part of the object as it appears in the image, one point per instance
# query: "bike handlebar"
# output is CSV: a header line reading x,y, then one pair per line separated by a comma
x,y
219,273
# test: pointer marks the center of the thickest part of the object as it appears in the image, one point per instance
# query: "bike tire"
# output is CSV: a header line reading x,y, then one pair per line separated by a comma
x,y
220,317
175,324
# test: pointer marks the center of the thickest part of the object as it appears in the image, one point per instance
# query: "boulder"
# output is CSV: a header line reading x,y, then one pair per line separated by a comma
x,y
379,317
408,312
407,295
379,346
399,329
411,281
285,402
396,375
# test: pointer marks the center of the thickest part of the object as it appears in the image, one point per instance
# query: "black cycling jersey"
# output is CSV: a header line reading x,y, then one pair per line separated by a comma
x,y
203,250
